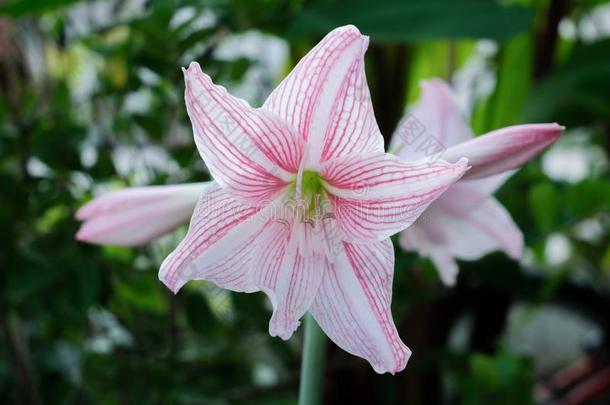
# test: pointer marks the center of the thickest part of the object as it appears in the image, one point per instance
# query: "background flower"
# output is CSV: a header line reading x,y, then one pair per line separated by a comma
x,y
466,222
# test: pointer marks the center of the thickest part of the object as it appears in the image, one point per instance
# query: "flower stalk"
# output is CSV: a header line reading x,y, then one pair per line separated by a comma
x,y
312,364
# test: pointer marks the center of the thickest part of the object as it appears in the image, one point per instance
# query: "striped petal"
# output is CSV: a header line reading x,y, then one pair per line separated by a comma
x,y
137,215
377,196
504,149
289,278
466,195
462,224
327,99
427,237
218,245
247,150
353,306
489,227
433,125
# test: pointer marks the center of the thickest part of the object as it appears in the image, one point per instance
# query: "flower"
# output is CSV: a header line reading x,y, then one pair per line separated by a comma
x,y
466,222
137,215
305,200
303,203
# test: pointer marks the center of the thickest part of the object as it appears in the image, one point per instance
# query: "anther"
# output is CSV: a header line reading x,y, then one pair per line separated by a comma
x,y
309,222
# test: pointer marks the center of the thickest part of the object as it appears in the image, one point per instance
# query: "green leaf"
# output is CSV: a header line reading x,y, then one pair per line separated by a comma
x,y
543,201
513,81
577,92
141,290
17,8
399,20
588,197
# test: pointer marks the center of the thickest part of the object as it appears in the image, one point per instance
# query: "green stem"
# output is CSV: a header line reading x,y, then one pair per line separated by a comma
x,y
312,364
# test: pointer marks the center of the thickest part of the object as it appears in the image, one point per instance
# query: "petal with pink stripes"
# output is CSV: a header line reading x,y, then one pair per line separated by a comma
x,y
289,276
247,150
218,245
462,224
327,99
376,196
434,124
486,228
504,149
466,195
353,306
137,215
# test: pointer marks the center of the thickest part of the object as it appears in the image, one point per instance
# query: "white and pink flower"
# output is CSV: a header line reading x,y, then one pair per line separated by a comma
x,y
304,201
466,222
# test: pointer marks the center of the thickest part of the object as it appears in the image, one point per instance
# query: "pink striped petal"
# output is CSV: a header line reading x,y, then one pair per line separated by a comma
x,y
464,196
218,245
460,225
377,196
327,99
504,149
290,279
137,215
247,150
434,124
353,306
487,185
489,227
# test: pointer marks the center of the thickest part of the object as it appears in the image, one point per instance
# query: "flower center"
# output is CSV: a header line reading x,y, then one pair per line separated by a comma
x,y
307,213
312,194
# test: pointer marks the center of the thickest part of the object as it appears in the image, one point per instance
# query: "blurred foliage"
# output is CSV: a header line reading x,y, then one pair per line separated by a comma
x,y
91,99
398,21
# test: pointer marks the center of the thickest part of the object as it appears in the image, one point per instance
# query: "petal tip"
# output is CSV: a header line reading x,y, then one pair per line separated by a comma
x,y
352,31
173,286
193,70
81,235
351,28
194,66
462,165
83,212
449,281
556,126
397,367
285,332
515,250
438,85
434,81
554,129
170,279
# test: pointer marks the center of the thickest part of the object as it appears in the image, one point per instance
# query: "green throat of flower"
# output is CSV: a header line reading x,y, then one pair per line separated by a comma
x,y
313,197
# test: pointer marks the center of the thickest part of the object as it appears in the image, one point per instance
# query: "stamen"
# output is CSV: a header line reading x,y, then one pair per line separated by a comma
x,y
309,221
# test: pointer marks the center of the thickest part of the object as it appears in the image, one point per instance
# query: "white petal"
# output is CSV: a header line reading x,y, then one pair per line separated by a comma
x,y
433,125
327,99
462,224
288,276
377,196
353,306
137,215
504,149
445,265
249,151
219,244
